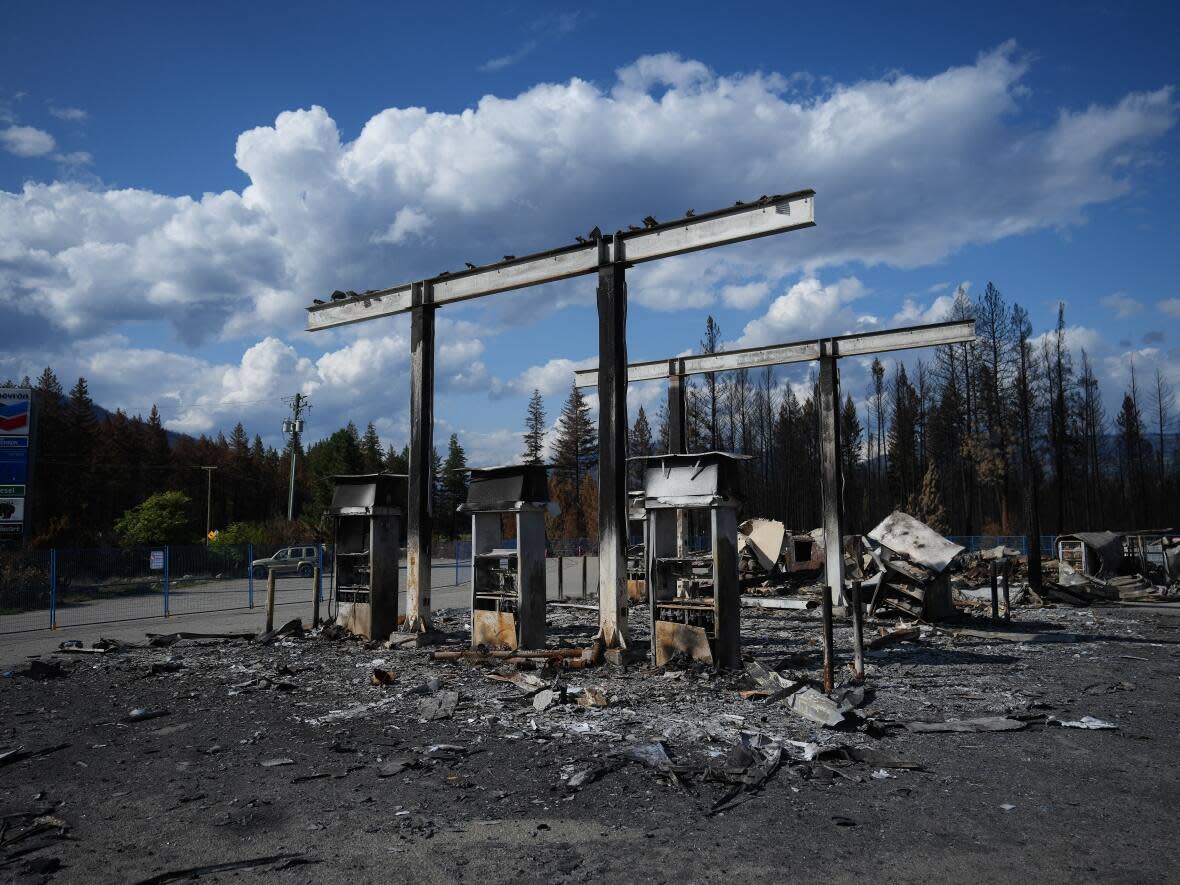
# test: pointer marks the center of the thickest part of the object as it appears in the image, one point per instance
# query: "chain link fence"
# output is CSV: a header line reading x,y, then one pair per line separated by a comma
x,y
69,587
75,586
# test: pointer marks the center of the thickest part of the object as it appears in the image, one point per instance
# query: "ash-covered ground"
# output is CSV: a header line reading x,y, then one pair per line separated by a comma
x,y
286,763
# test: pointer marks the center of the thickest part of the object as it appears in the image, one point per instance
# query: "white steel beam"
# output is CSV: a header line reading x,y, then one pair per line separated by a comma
x,y
799,352
743,221
368,306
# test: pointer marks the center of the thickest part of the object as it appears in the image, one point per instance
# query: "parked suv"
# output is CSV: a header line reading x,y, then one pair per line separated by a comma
x,y
288,561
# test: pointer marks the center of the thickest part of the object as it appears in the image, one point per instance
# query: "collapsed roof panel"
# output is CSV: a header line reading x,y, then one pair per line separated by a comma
x,y
915,540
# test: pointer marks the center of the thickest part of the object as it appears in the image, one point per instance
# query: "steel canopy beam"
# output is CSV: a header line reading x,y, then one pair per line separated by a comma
x,y
954,332
744,221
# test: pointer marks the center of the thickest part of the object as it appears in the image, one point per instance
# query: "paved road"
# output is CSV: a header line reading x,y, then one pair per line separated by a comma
x,y
220,607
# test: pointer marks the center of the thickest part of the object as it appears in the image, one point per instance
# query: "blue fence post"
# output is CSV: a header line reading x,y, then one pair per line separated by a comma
x,y
319,559
250,576
53,588
167,561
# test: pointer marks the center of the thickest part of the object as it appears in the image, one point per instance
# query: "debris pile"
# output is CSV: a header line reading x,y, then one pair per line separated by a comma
x,y
905,564
773,560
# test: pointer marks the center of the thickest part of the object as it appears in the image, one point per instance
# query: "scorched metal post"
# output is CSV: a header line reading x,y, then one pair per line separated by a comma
x,y
833,487
612,444
421,466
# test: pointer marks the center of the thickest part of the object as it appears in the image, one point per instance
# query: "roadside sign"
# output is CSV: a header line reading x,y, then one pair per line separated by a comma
x,y
15,403
12,510
14,461
157,560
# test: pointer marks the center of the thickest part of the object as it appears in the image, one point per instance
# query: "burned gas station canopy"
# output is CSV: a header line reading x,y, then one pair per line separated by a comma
x,y
706,479
507,487
369,494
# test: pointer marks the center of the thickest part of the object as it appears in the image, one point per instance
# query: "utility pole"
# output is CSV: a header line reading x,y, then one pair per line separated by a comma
x,y
208,501
293,427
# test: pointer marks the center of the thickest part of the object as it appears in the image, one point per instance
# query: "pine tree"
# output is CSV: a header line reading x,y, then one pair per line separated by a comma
x,y
397,462
454,486
639,444
902,437
851,434
576,452
711,343
81,444
159,451
534,436
1130,425
928,506
239,443
370,450
663,433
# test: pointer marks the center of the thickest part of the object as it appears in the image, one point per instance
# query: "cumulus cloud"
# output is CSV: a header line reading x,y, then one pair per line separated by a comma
x,y
745,297
26,141
1123,305
410,221
1170,306
807,309
554,376
905,167
912,313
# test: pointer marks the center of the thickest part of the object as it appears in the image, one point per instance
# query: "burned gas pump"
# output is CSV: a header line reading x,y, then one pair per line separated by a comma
x,y
507,582
695,600
367,511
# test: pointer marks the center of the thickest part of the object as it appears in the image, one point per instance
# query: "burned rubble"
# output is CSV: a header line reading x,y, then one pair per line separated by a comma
x,y
467,724
320,706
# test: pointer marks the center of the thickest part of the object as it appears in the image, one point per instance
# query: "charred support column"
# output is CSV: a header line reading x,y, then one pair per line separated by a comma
x,y
612,446
676,431
418,527
832,482
726,588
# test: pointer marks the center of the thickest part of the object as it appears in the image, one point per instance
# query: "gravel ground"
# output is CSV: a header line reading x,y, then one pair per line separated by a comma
x,y
288,755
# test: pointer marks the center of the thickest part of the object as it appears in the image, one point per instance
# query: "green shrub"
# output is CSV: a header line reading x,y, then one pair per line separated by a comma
x,y
162,519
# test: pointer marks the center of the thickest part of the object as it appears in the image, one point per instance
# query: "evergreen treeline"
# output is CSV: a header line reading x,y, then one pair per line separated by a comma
x,y
91,467
1006,436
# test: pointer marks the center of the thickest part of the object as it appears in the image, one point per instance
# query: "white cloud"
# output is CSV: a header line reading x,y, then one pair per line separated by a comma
x,y
74,158
1077,339
26,141
410,221
905,168
72,115
1170,306
745,297
554,376
489,448
808,309
913,314
506,61
547,27
1122,304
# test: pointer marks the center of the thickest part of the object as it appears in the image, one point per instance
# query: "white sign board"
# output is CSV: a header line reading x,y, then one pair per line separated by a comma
x,y
12,509
15,403
157,562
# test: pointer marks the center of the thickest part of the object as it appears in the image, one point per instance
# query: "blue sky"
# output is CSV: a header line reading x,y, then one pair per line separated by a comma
x,y
177,182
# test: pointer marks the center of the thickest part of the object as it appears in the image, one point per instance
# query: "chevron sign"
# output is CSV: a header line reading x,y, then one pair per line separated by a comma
x,y
14,411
